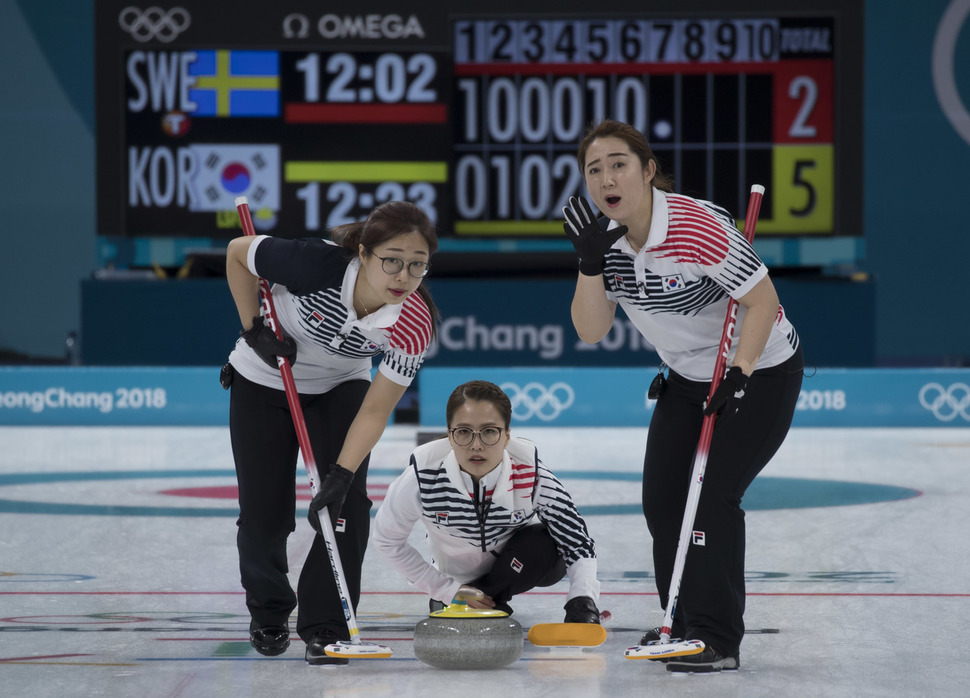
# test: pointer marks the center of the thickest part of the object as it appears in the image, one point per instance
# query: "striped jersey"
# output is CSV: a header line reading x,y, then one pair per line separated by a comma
x,y
313,286
467,529
676,289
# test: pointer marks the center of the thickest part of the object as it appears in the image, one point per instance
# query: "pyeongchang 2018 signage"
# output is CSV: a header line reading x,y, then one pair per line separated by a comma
x,y
527,323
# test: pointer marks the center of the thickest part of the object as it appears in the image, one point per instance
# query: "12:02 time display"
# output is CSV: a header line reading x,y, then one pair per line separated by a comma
x,y
369,77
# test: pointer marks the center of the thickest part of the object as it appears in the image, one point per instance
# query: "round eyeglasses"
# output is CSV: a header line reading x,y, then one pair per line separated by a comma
x,y
394,265
464,436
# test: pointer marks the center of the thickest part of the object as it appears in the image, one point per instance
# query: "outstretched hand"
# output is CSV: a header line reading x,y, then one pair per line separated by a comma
x,y
590,240
332,492
474,597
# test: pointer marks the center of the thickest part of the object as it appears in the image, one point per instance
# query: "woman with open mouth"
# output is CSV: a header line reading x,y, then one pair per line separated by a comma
x,y
673,263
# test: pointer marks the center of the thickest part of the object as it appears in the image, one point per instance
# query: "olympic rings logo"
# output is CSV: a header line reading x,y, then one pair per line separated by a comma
x,y
154,23
946,403
536,400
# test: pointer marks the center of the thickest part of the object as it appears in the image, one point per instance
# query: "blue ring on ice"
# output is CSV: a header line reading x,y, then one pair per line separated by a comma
x,y
766,493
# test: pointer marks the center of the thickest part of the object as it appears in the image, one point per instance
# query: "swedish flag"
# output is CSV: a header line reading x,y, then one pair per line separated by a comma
x,y
236,83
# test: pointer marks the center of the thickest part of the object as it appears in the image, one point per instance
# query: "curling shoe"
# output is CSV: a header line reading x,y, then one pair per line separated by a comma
x,y
269,640
708,661
581,609
316,648
653,635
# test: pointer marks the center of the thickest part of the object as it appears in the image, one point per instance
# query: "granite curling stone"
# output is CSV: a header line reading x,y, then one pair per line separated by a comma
x,y
462,638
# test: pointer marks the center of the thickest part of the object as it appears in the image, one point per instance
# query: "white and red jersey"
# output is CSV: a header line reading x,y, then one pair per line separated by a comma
x,y
675,290
313,287
468,528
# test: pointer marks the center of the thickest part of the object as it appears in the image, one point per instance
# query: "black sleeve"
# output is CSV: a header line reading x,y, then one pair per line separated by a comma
x,y
303,266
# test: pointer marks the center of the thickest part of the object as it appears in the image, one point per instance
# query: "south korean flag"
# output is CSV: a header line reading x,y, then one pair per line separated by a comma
x,y
224,172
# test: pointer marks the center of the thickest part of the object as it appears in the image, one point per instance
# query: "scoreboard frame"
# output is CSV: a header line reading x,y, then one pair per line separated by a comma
x,y
475,114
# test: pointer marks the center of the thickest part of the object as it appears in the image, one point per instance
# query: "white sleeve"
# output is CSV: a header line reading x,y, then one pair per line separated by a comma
x,y
395,519
251,254
582,579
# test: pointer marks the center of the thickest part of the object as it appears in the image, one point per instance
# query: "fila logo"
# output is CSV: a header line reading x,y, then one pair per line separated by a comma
x,y
516,565
698,538
341,526
441,518
314,319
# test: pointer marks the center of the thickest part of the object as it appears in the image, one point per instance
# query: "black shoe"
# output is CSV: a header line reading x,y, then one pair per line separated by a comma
x,y
270,640
581,609
653,635
705,662
316,648
435,605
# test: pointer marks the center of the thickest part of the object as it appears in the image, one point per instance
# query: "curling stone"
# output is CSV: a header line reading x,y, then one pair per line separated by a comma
x,y
459,637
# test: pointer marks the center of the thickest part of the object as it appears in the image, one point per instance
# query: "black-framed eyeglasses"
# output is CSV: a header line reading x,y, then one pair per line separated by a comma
x,y
394,265
489,436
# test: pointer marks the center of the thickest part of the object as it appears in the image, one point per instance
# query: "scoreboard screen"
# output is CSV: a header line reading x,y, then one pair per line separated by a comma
x,y
318,114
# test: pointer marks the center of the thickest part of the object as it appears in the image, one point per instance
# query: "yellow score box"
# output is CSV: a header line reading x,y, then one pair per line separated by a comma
x,y
363,172
803,191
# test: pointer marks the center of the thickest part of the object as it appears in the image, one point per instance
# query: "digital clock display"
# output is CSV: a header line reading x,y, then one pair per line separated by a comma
x,y
475,115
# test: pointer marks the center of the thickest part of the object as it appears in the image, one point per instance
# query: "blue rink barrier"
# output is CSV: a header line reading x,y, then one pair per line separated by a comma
x,y
116,396
90,396
192,396
617,397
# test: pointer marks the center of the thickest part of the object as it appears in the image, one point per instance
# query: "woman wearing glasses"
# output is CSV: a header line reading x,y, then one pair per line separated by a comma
x,y
498,521
338,304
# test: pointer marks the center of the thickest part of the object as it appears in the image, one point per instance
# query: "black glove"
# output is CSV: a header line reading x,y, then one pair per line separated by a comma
x,y
727,397
590,240
581,609
331,494
264,342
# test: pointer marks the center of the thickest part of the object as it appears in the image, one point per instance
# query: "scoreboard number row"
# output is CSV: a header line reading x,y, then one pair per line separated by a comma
x,y
616,41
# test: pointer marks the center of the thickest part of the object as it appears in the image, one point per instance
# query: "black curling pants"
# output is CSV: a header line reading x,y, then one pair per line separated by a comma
x,y
530,559
265,450
712,594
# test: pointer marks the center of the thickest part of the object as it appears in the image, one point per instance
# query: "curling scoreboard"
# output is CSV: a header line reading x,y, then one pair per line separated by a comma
x,y
317,112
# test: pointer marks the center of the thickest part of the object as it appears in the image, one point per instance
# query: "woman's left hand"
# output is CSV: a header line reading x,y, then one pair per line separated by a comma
x,y
727,398
334,486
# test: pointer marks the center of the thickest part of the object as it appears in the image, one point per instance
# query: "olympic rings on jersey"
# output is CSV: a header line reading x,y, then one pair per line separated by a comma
x,y
536,400
946,403
154,23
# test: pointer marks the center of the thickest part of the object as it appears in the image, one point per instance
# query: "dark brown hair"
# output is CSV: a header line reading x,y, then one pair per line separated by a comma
x,y
384,223
633,138
482,391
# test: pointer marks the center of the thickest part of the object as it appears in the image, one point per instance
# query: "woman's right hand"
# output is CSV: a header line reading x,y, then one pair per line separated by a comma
x,y
590,240
476,598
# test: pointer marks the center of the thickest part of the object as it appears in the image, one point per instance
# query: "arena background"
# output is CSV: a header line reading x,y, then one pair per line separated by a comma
x,y
889,296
